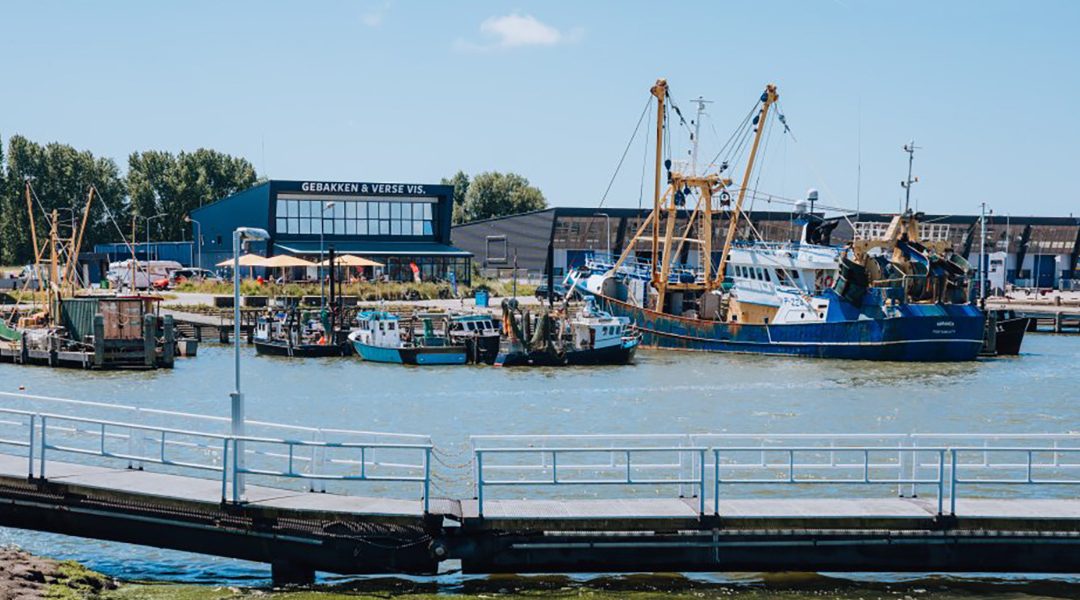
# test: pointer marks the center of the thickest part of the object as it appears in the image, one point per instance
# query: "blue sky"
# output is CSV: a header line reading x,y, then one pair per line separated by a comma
x,y
393,90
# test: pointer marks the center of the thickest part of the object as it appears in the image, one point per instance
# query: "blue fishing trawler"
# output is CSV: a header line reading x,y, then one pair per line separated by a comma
x,y
379,337
892,298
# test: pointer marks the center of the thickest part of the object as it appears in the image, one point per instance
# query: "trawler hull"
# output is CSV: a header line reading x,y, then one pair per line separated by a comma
x,y
919,333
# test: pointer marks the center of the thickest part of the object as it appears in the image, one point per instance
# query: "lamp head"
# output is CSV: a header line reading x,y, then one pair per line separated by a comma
x,y
252,233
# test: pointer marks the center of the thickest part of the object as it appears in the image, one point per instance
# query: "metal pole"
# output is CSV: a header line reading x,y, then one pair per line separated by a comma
x,y
239,234
236,397
322,284
982,255
607,224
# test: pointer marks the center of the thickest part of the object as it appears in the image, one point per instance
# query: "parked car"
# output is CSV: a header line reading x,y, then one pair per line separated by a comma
x,y
178,276
193,274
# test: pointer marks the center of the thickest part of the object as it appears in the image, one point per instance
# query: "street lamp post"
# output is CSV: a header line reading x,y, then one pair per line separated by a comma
x,y
240,235
198,238
322,226
607,225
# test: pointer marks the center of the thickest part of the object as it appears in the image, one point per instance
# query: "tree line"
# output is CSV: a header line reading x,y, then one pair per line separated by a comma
x,y
156,183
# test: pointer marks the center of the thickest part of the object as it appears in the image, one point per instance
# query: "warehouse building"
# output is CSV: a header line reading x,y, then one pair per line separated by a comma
x,y
1023,251
396,224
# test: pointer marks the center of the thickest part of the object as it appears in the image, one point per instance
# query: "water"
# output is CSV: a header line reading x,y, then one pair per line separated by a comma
x,y
666,392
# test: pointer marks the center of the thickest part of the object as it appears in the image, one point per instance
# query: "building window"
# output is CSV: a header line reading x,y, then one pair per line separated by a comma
x,y
496,249
306,215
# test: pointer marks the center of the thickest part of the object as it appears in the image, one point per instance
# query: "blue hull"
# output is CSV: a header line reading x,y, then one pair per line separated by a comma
x,y
920,333
445,355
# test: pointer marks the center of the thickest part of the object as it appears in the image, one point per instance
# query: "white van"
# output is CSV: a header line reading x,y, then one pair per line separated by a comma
x,y
146,272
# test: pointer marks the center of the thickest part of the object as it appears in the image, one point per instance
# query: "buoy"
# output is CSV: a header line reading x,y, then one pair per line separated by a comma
x,y
22,388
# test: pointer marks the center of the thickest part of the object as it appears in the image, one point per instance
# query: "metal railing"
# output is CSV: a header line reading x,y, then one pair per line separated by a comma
x,y
46,435
1032,466
19,418
616,467
865,465
362,465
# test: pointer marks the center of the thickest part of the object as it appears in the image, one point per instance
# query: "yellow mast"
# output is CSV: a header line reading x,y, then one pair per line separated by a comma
x,y
660,92
73,260
767,100
54,270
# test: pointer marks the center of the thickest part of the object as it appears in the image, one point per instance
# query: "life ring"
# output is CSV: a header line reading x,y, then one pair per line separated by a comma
x,y
828,281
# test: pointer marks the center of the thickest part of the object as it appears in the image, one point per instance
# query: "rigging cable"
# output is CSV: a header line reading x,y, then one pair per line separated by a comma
x,y
644,164
648,103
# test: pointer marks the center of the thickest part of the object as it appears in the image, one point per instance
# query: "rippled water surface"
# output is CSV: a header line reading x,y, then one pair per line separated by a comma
x,y
665,392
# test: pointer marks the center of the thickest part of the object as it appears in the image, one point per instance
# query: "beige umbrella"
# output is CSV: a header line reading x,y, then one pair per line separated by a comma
x,y
284,260
246,260
350,260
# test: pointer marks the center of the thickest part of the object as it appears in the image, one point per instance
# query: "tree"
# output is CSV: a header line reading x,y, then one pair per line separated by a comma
x,y
493,194
161,183
460,181
60,177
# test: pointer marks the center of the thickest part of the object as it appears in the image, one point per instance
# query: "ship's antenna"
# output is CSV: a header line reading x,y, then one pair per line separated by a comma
x,y
858,168
701,102
910,148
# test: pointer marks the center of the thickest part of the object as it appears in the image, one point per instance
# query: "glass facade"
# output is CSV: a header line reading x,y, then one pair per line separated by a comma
x,y
432,268
355,215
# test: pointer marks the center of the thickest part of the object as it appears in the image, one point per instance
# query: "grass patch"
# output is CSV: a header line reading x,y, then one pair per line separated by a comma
x,y
76,582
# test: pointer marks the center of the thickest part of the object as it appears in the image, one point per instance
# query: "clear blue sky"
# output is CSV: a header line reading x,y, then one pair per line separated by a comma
x,y
393,90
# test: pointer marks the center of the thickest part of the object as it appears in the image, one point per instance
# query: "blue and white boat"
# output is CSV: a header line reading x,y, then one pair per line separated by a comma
x,y
890,298
379,337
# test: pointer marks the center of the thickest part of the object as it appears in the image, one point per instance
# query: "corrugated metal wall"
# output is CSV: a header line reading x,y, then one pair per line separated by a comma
x,y
527,235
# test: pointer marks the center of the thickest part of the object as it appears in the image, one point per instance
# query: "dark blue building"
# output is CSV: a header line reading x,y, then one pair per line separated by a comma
x,y
396,224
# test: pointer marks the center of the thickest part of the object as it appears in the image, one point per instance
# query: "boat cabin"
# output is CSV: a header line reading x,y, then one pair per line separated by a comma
x,y
379,328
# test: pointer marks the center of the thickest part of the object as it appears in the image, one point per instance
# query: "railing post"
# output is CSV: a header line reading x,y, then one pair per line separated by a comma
x,y
290,459
237,449
701,482
224,470
427,480
866,465
101,445
161,449
716,481
903,470
480,483
791,466
30,448
629,478
41,466
555,467
952,486
318,456
1029,454
940,481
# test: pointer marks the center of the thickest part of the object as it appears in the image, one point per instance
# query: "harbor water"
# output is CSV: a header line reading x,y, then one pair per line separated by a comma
x,y
665,392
